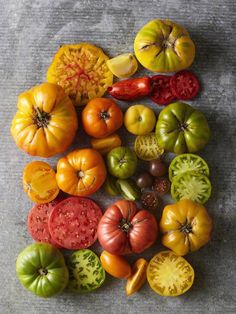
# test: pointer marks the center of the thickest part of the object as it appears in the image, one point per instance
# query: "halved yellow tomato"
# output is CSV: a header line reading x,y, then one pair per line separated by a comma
x,y
39,182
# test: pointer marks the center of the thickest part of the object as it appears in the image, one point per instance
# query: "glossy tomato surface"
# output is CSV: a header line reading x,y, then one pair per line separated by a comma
x,y
124,229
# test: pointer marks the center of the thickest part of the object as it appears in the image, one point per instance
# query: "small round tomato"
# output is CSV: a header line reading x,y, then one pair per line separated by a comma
x,y
81,173
139,120
39,182
122,162
138,277
101,117
41,269
115,265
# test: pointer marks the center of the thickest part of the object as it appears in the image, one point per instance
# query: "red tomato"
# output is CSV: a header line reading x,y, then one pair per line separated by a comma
x,y
38,221
161,91
131,89
73,223
184,85
123,229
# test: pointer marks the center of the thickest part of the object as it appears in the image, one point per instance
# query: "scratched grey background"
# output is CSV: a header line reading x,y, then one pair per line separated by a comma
x,y
30,33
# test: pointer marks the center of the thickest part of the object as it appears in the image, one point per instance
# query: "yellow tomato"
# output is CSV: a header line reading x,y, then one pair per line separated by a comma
x,y
106,144
123,66
186,226
39,182
139,120
138,277
169,275
46,121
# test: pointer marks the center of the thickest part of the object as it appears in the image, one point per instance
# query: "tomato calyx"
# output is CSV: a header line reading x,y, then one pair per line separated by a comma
x,y
80,174
104,115
183,126
186,228
41,118
125,225
43,271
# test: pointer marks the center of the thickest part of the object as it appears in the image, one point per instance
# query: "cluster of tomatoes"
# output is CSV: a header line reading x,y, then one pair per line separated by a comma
x,y
64,218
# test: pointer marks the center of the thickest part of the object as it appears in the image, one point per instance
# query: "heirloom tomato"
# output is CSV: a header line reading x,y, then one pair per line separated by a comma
x,y
138,277
81,173
41,269
181,128
115,265
186,226
124,229
123,66
101,117
164,46
46,121
106,144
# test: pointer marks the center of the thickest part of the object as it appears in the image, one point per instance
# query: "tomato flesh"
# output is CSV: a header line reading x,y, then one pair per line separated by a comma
x,y
73,223
184,85
161,91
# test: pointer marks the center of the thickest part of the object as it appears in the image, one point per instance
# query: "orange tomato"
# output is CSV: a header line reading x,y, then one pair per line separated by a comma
x,y
105,145
115,265
101,117
39,182
138,277
46,121
81,173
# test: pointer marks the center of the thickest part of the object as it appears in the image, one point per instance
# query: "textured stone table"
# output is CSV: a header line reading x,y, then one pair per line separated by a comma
x,y
30,33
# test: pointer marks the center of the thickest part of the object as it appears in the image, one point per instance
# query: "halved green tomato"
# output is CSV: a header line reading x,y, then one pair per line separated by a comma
x,y
191,185
85,271
169,275
188,162
147,148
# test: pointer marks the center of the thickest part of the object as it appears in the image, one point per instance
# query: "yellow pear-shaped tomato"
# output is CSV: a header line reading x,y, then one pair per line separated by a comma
x,y
186,226
164,46
46,121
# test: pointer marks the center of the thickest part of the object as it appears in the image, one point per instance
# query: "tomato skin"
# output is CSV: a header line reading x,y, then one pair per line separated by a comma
x,y
101,117
105,145
123,229
81,173
40,257
131,89
46,121
115,265
138,277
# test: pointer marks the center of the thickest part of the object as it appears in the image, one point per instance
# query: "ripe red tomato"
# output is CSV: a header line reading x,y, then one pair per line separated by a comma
x,y
123,229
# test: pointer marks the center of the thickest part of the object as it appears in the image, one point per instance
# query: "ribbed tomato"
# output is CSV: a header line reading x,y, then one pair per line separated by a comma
x,y
123,229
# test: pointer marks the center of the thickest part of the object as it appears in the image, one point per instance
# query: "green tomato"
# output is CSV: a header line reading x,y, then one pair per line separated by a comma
x,y
86,271
128,189
41,269
122,162
181,128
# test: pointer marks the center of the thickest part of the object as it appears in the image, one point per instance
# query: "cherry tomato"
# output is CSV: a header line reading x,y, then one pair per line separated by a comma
x,y
115,265
131,89
184,85
161,91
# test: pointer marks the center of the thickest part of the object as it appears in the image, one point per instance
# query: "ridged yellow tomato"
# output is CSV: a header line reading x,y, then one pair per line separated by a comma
x,y
186,226
46,121
164,46
81,173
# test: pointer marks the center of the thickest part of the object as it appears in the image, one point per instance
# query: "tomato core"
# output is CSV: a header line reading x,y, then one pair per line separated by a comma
x,y
80,174
183,126
43,271
186,228
104,115
41,118
125,225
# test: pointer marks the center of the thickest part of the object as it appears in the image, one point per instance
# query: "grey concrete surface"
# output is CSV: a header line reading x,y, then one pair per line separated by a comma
x,y
30,34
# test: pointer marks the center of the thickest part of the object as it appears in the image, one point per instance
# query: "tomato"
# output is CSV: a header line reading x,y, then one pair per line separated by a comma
x,y
138,277
131,89
161,91
73,223
164,46
41,269
188,162
46,121
147,148
139,120
169,275
82,72
184,85
110,186
122,162
115,265
191,185
81,173
123,66
39,182
181,128
128,189
86,272
123,229
186,226
106,144
101,117
38,221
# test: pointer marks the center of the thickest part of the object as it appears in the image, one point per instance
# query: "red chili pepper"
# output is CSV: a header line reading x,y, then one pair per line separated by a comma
x,y
131,89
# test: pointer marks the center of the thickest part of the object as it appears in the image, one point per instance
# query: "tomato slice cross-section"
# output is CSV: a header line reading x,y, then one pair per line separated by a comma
x,y
161,91
184,85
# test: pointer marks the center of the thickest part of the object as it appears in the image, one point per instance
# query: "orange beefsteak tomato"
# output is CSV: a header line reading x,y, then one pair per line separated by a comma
x,y
101,117
81,173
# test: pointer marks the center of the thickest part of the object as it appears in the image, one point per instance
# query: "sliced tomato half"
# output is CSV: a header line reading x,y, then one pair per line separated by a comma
x,y
184,85
161,91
